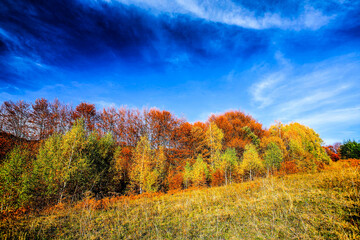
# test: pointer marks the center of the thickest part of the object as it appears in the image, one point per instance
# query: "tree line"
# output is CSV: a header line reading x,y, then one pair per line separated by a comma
x,y
53,152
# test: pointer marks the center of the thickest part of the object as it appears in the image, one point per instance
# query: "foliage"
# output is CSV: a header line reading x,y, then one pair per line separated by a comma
x,y
323,205
117,151
232,124
214,137
120,168
71,164
249,134
350,149
199,172
230,161
16,185
187,174
251,164
332,152
149,167
304,146
273,156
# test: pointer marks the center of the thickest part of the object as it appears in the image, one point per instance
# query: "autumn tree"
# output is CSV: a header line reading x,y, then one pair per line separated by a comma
x,y
130,126
40,119
15,117
232,124
187,174
161,166
199,140
229,163
199,172
60,117
143,175
62,167
86,111
120,168
304,146
16,183
214,137
273,156
251,164
159,127
332,152
107,121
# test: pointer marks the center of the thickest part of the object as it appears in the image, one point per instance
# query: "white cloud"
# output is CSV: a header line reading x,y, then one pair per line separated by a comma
x,y
228,12
313,100
264,92
104,104
342,116
324,96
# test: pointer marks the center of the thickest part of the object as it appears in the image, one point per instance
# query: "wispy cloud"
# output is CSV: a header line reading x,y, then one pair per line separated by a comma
x,y
333,117
265,91
321,95
105,104
229,12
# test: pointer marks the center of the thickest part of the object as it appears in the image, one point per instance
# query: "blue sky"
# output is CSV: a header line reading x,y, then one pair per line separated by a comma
x,y
276,60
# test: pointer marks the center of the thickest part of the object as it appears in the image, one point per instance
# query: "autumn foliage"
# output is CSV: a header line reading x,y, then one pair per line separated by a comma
x,y
59,153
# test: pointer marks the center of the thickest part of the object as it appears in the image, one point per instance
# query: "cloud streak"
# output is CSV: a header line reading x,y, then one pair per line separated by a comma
x,y
228,12
320,95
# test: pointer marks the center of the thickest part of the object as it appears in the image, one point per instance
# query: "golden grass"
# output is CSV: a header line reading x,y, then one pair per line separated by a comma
x,y
323,205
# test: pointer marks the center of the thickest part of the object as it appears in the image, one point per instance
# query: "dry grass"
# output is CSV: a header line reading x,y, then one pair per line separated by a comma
x,y
324,205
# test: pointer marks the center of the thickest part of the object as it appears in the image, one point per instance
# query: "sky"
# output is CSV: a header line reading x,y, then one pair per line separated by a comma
x,y
288,61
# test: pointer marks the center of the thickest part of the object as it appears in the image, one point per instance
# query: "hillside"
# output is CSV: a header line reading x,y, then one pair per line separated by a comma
x,y
322,205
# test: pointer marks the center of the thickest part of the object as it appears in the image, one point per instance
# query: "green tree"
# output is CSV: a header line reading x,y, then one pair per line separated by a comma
x,y
229,163
273,156
350,149
62,166
15,180
187,174
254,139
99,153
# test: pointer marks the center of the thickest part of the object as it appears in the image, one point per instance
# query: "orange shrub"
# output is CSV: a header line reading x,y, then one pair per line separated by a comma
x,y
217,178
175,180
288,167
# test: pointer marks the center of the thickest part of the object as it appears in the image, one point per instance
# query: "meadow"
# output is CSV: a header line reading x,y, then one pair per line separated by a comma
x,y
321,205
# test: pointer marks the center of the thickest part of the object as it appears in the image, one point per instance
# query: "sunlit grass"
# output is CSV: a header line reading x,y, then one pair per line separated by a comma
x,y
323,205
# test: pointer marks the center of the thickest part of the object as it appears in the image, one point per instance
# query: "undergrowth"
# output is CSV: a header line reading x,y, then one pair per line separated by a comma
x,y
322,205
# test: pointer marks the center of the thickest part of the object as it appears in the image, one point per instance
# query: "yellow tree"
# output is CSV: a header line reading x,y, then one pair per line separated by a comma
x,y
141,165
214,137
304,146
199,172
160,166
251,162
199,140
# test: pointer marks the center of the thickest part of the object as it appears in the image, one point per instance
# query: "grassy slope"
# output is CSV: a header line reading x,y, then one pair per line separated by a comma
x,y
324,205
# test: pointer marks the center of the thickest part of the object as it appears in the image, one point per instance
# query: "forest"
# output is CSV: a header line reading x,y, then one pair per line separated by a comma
x,y
52,152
